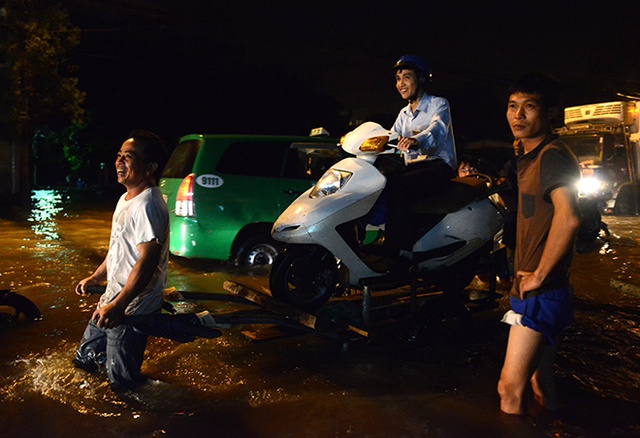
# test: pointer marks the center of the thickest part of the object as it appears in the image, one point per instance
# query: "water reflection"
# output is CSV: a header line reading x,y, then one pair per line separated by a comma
x,y
304,385
46,204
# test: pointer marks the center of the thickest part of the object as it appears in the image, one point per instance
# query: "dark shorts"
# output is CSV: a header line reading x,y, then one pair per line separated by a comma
x,y
547,313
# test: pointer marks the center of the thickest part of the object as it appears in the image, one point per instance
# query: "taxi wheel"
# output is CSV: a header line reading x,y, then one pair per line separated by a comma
x,y
257,250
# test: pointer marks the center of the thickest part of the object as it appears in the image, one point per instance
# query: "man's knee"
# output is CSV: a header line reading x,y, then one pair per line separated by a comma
x,y
503,388
508,388
510,397
90,365
91,353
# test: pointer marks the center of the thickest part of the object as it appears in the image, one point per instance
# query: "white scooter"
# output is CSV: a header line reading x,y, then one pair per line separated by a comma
x,y
323,258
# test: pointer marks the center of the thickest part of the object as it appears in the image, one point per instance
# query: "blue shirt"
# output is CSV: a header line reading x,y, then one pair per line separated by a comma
x,y
430,124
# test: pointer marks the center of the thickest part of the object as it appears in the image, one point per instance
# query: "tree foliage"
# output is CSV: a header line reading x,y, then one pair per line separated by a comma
x,y
38,39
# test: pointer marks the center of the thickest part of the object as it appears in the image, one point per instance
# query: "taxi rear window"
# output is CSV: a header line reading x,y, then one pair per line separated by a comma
x,y
182,158
254,159
306,161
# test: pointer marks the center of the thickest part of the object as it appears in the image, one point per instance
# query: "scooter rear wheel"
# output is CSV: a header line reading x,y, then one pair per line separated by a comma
x,y
305,276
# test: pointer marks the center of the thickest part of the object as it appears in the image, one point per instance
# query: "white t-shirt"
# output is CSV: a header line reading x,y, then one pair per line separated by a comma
x,y
142,219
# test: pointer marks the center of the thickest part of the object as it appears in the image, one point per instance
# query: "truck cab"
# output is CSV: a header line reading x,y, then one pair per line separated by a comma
x,y
605,138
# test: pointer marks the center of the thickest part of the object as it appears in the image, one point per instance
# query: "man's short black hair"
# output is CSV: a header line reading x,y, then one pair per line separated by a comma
x,y
152,147
541,84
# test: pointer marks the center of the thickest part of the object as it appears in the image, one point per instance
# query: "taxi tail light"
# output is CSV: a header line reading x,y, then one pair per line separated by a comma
x,y
184,197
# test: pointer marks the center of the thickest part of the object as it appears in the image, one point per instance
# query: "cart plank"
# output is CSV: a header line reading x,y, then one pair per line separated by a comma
x,y
269,303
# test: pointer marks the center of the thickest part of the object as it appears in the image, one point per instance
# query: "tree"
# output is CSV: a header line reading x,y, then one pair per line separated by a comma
x,y
38,38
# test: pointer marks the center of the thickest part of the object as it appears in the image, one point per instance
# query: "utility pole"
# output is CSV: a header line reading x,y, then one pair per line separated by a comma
x,y
25,136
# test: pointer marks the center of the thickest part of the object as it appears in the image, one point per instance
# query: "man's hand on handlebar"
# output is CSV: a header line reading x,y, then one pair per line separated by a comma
x,y
85,287
406,143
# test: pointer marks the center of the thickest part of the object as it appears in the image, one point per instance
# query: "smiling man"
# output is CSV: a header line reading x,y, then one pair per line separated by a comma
x,y
135,267
426,138
547,222
425,123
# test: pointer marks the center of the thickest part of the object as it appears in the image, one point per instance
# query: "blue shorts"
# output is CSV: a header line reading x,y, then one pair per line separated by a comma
x,y
547,313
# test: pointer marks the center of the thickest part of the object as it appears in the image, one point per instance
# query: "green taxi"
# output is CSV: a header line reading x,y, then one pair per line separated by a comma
x,y
224,192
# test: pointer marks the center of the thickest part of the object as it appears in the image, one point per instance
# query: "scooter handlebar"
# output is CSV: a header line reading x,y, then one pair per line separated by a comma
x,y
94,290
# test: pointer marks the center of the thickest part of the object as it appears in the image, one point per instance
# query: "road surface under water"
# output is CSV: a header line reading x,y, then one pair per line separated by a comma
x,y
298,386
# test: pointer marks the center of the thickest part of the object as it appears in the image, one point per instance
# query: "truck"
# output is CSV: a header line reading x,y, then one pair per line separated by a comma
x,y
605,138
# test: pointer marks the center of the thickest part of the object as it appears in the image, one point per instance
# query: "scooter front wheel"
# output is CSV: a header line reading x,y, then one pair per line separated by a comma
x,y
305,276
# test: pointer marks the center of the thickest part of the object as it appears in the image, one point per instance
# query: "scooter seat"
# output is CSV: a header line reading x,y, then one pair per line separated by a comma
x,y
457,193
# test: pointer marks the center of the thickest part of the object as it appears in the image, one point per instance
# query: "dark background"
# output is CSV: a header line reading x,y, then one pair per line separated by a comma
x,y
177,67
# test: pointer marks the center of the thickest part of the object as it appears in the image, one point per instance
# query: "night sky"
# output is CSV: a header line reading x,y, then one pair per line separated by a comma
x,y
177,66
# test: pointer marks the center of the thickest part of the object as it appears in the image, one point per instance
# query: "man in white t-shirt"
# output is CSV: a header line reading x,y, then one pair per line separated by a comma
x,y
135,267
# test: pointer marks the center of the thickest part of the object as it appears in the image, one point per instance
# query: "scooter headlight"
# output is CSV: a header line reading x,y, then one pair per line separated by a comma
x,y
375,144
332,181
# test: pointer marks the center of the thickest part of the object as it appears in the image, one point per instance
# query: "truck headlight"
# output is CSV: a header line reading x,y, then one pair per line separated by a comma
x,y
332,181
589,186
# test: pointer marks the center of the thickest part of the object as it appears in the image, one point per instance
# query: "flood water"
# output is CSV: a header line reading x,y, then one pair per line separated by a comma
x,y
305,385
